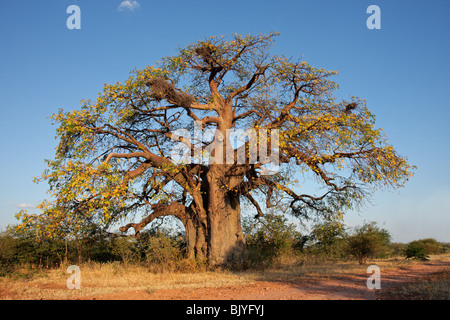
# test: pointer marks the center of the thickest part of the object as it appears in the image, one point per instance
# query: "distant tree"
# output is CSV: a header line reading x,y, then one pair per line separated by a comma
x,y
115,155
368,241
397,249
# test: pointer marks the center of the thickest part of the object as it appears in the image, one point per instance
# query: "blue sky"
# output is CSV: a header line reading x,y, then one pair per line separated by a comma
x,y
402,70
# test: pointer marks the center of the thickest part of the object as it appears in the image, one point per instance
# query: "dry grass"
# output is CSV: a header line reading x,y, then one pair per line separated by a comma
x,y
294,270
110,278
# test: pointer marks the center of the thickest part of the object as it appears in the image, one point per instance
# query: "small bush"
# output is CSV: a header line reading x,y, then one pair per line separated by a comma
x,y
269,239
125,248
160,251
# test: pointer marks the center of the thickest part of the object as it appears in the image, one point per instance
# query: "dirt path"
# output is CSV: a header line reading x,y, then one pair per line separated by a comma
x,y
339,287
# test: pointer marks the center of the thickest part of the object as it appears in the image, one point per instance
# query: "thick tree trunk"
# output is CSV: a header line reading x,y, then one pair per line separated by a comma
x,y
222,242
226,242
225,239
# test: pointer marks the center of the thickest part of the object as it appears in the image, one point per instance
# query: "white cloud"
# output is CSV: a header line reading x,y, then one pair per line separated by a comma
x,y
129,5
25,206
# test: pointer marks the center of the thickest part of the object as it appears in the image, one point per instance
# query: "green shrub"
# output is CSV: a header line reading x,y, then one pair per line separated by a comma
x,y
416,251
368,241
421,249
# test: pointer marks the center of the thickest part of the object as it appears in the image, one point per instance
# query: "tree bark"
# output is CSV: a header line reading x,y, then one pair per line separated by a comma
x,y
196,240
226,242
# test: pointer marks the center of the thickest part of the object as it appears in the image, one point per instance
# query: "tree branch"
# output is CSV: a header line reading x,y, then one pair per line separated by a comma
x,y
159,209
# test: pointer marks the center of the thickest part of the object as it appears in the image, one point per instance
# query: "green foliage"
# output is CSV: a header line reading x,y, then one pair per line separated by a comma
x,y
416,251
421,249
368,241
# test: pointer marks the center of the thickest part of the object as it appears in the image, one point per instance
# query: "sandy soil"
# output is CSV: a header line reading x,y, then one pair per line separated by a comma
x,y
339,287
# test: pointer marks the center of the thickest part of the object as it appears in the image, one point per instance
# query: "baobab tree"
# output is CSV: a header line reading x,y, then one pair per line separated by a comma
x,y
115,155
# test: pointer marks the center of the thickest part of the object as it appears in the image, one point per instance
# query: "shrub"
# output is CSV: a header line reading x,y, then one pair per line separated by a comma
x,y
270,238
416,251
368,241
421,249
160,251
125,248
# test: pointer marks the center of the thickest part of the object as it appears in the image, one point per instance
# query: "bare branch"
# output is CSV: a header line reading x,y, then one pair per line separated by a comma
x,y
124,155
159,209
259,72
